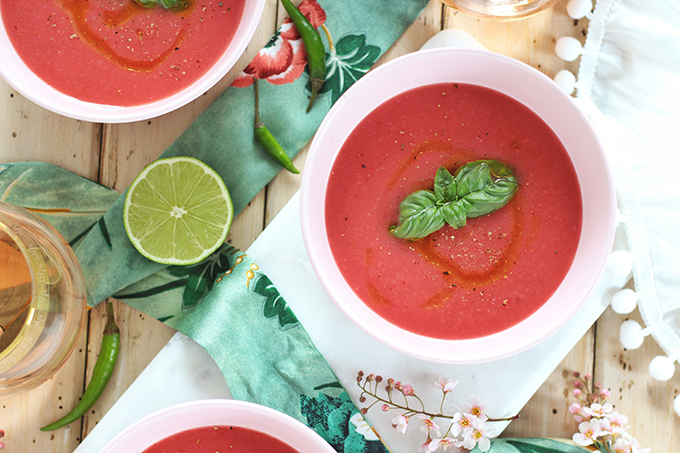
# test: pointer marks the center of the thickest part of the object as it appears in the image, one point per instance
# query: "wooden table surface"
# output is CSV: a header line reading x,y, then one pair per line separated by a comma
x,y
114,154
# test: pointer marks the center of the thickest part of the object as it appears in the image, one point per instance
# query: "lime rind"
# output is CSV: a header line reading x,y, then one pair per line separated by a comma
x,y
177,211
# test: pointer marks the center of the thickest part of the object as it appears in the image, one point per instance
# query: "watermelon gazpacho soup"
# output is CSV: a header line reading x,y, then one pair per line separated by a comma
x,y
220,439
117,52
479,278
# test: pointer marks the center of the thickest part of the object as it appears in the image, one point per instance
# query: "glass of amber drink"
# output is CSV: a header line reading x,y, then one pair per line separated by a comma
x,y
42,300
500,10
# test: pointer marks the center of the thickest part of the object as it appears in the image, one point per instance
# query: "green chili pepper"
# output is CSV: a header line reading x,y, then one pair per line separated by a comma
x,y
266,139
316,52
103,369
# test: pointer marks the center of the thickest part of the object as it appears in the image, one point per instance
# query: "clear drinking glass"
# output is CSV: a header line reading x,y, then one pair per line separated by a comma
x,y
42,300
500,10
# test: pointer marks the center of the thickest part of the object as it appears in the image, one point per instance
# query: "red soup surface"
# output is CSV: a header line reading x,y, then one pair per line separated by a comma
x,y
220,439
116,52
455,283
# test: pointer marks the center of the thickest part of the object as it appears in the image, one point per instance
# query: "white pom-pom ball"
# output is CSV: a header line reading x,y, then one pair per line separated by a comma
x,y
620,263
661,368
630,334
566,80
624,301
568,48
578,9
676,405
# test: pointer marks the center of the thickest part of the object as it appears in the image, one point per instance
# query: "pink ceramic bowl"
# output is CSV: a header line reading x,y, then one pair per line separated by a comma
x,y
21,78
550,103
181,417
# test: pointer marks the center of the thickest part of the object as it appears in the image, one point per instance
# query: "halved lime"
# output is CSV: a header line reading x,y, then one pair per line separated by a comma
x,y
177,211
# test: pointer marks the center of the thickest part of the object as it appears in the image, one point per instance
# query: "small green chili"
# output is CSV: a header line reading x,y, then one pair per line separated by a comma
x,y
316,52
103,369
266,139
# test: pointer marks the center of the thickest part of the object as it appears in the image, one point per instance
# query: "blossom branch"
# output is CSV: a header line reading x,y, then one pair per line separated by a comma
x,y
599,425
468,427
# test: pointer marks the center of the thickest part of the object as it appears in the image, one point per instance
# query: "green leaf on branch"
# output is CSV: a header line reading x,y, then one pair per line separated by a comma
x,y
477,188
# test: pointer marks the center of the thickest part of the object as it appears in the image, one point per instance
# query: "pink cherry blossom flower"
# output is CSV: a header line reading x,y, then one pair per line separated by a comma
x,y
618,422
588,432
446,386
598,410
475,407
479,436
575,410
400,423
425,447
462,422
622,446
429,426
445,443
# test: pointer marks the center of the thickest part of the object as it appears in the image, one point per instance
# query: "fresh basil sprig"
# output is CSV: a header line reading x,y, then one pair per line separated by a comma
x,y
476,189
167,4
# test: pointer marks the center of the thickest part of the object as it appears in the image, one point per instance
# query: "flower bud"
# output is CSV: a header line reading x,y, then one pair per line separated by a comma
x,y
577,393
385,407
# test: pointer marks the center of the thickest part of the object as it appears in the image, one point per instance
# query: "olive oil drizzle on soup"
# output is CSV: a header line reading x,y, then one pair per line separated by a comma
x,y
455,283
116,52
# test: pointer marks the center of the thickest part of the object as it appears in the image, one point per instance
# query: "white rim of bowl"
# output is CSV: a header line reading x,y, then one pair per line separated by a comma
x,y
194,414
32,87
451,64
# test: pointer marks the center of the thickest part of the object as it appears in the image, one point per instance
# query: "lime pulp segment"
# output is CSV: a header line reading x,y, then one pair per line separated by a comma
x,y
178,211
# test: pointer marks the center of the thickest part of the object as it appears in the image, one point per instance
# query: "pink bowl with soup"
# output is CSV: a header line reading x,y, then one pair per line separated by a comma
x,y
496,283
115,62
207,426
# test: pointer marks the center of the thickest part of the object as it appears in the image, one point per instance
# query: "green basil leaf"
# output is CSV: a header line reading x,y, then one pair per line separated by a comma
x,y
419,216
491,198
485,186
445,185
476,189
454,213
176,5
